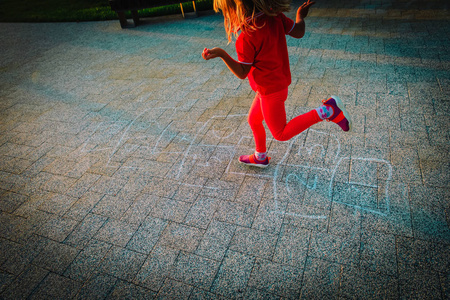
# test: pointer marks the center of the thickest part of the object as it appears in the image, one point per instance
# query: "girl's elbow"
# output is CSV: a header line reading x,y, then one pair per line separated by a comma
x,y
297,35
245,71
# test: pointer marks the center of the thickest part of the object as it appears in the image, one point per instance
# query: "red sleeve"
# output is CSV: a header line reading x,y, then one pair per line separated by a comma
x,y
288,23
245,49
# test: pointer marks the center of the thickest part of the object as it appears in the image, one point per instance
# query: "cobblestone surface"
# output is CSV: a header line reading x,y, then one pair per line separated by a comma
x,y
119,174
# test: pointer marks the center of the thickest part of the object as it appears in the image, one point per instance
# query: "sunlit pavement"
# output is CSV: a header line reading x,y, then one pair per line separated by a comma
x,y
119,175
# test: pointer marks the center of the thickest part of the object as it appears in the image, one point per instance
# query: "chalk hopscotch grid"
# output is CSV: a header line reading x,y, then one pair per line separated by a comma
x,y
231,149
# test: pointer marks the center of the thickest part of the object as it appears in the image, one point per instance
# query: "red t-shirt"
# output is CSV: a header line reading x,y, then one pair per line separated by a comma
x,y
265,49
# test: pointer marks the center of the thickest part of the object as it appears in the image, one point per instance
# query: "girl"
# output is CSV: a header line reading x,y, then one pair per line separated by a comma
x,y
263,57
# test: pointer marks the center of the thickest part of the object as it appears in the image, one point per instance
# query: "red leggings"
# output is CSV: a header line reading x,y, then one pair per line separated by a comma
x,y
271,109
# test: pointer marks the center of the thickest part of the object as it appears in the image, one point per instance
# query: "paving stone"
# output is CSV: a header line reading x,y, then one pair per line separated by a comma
x,y
427,216
278,279
122,263
58,184
420,283
195,270
156,268
171,209
55,257
378,253
335,249
88,260
439,252
8,248
116,232
57,228
140,209
98,286
235,213
58,204
21,255
82,185
367,284
112,206
84,205
221,189
181,237
321,279
146,237
5,280
202,212
126,290
270,216
250,191
292,246
345,219
9,202
216,240
254,242
60,166
175,289
233,275
188,193
85,230
445,285
435,173
25,283
14,183
199,294
12,227
108,185
56,286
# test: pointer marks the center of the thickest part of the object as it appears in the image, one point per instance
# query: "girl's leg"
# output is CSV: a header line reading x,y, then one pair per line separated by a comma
x,y
255,120
274,113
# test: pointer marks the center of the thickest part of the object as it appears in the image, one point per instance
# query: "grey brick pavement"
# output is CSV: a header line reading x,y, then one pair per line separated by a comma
x,y
119,176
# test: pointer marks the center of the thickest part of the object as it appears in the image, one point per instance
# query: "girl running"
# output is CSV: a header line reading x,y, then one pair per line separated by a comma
x,y
263,57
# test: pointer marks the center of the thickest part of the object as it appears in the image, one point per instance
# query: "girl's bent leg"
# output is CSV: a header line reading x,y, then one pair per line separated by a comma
x,y
274,113
255,120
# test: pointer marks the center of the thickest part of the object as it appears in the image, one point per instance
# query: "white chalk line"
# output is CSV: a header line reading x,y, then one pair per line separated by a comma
x,y
315,217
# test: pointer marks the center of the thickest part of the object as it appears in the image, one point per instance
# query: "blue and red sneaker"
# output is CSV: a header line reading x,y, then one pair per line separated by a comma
x,y
340,115
251,160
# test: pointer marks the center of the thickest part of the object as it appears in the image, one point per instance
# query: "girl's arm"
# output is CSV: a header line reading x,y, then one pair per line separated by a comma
x,y
238,69
299,29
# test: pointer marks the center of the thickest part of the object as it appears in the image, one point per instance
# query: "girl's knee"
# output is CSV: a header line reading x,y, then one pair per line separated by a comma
x,y
254,121
279,137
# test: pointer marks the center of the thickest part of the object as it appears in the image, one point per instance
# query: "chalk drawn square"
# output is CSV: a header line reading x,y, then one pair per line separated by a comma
x,y
363,172
341,172
341,194
357,196
369,195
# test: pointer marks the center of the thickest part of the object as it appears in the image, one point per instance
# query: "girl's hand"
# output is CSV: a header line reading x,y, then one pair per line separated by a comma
x,y
208,54
303,10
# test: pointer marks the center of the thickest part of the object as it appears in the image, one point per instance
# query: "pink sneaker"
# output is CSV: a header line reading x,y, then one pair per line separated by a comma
x,y
251,160
340,114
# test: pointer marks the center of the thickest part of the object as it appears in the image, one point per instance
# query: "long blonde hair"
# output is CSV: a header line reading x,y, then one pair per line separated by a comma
x,y
236,12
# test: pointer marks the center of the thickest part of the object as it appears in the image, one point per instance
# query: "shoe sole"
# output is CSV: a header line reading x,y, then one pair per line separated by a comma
x,y
341,106
254,165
